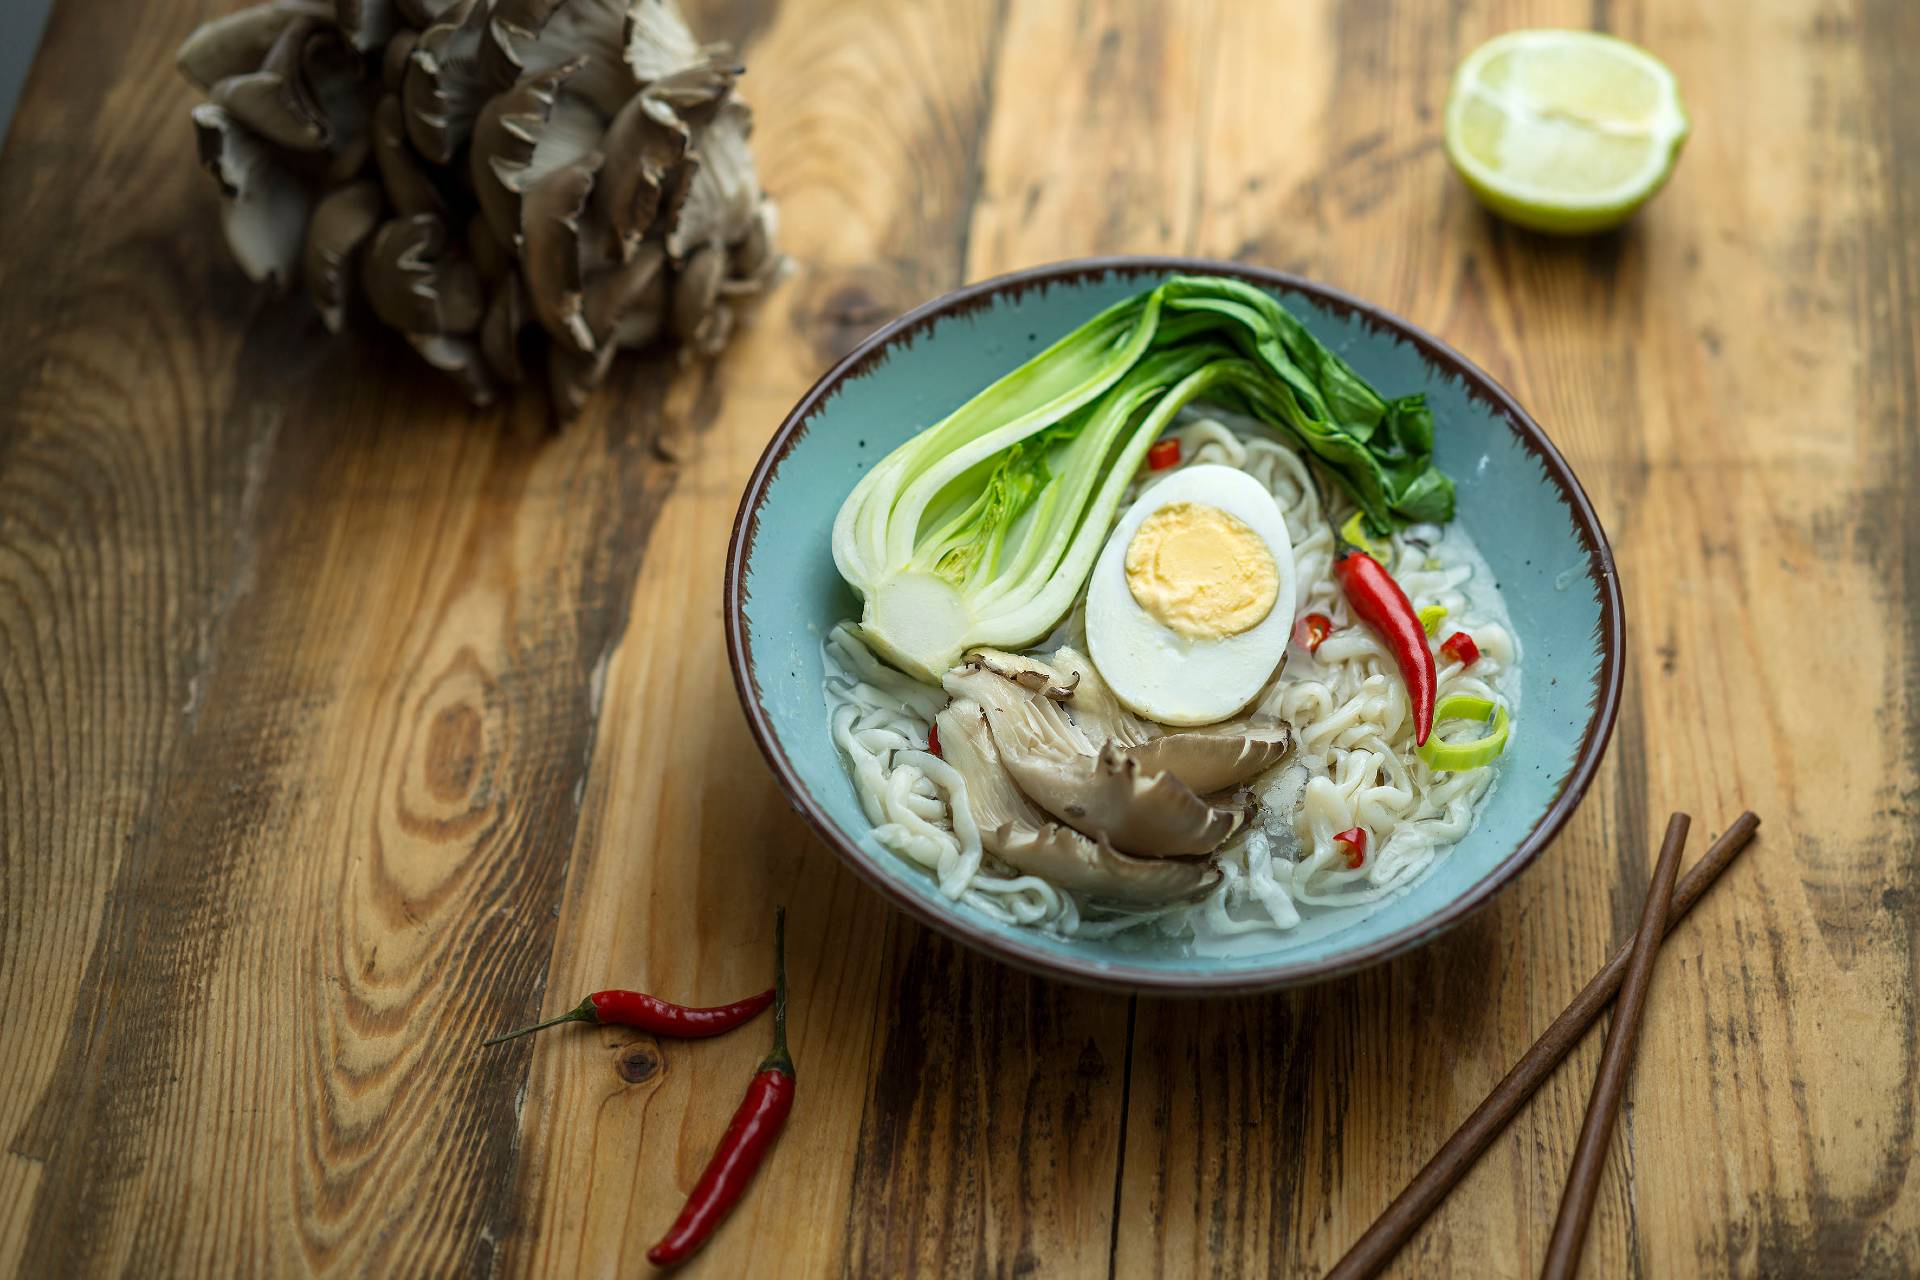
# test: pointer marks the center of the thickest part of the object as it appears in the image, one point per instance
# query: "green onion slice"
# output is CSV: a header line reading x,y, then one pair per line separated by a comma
x,y
1455,756
1431,617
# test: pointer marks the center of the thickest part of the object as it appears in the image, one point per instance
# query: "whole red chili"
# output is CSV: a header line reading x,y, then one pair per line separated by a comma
x,y
1311,630
1355,838
1461,648
1163,454
1378,601
651,1013
749,1135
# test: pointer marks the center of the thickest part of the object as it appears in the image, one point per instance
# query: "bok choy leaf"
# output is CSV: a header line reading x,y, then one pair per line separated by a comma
x,y
981,529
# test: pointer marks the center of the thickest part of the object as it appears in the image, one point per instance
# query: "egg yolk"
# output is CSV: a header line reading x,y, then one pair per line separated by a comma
x,y
1201,572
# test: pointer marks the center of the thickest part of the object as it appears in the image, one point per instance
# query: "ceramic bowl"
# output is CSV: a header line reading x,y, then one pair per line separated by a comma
x,y
1517,497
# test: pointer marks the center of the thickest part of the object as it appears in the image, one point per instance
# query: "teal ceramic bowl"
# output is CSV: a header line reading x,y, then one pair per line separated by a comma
x,y
1517,497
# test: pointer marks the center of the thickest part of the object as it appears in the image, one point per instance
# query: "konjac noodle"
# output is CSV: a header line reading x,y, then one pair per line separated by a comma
x,y
1214,733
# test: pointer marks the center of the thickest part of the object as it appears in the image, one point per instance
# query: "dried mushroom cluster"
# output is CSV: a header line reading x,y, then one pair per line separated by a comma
x,y
509,183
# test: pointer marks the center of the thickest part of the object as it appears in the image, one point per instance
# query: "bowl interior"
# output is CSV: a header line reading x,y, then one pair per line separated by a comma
x,y
1516,498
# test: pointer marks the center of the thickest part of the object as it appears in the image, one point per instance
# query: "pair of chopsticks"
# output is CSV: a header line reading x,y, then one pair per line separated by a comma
x,y
1628,974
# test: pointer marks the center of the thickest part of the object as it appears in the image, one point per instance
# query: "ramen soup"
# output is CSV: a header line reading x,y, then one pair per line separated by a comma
x,y
1170,629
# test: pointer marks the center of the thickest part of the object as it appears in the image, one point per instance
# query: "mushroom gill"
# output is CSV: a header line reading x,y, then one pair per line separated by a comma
x,y
1026,839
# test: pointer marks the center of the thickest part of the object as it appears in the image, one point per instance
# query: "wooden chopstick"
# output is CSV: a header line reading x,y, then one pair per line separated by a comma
x,y
1374,1249
1616,1061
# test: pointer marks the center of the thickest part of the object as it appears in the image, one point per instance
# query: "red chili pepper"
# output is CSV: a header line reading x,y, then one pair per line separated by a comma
x,y
1311,630
1378,601
749,1135
651,1013
1355,838
1461,648
933,740
1163,454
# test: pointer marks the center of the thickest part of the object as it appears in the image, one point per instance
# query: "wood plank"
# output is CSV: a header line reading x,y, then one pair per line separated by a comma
x,y
339,726
951,1116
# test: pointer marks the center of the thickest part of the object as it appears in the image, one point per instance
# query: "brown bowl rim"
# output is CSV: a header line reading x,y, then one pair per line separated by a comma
x,y
1120,976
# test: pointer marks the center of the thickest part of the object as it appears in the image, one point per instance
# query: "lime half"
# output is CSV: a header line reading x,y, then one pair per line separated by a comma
x,y
1565,132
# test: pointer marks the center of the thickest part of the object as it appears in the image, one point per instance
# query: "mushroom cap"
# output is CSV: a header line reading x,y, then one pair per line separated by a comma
x,y
237,43
508,319
645,143
552,258
398,55
1019,834
573,376
264,207
627,303
341,223
724,192
1028,672
1210,760
517,140
367,24
1207,759
409,189
417,282
445,84
306,78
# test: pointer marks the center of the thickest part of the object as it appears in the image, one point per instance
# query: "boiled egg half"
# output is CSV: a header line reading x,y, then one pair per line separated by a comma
x,y
1191,603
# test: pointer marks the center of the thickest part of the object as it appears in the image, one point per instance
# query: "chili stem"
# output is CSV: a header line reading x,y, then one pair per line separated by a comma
x,y
582,1012
779,1059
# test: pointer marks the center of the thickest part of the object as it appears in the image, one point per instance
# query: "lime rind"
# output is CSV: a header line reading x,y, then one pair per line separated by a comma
x,y
1563,211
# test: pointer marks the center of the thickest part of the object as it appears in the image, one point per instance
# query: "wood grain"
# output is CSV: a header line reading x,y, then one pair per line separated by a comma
x,y
340,726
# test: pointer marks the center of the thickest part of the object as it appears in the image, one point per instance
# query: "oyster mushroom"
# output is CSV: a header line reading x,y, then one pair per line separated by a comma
x,y
645,144
524,135
341,223
1207,759
236,44
416,283
1023,837
445,84
394,62
531,36
306,94
1029,673
367,24
409,189
507,321
1098,788
550,227
627,303
573,376
423,13
724,192
263,207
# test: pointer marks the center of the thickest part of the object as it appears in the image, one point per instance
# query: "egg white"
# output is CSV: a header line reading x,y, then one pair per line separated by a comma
x,y
1153,669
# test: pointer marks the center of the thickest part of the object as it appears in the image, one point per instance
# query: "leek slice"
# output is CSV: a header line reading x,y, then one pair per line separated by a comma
x,y
1456,756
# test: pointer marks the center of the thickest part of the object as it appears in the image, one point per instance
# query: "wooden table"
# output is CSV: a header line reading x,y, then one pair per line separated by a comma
x,y
340,725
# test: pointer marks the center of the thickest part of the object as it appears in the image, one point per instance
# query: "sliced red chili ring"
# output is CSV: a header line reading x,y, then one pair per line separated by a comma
x,y
1355,838
933,740
1311,630
1461,648
1163,454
